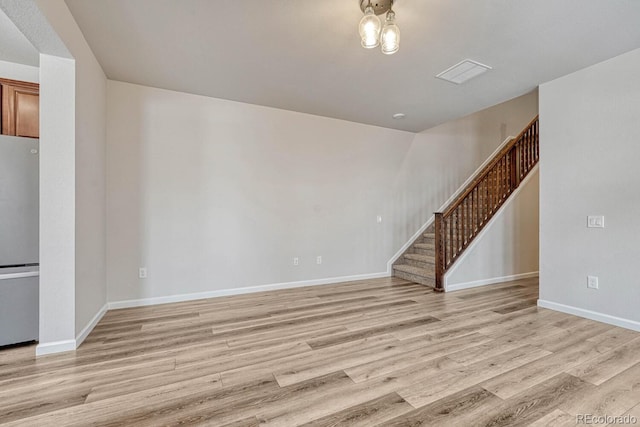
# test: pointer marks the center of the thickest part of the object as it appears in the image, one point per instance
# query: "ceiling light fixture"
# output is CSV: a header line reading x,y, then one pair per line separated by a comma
x,y
370,28
371,33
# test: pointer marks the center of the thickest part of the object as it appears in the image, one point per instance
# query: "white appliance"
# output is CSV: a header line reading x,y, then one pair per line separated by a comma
x,y
19,218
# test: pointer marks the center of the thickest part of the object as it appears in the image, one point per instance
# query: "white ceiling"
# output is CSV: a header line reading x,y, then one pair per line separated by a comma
x,y
305,55
14,46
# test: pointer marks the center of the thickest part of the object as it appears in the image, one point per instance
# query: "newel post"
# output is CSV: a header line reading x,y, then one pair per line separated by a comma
x,y
439,252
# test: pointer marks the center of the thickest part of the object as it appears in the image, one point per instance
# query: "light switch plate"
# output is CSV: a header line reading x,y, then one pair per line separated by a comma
x,y
595,221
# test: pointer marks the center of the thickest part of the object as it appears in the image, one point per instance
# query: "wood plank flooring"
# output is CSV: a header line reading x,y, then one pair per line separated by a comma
x,y
377,352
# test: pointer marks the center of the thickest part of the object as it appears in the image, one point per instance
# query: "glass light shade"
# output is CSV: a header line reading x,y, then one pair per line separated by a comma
x,y
370,28
390,37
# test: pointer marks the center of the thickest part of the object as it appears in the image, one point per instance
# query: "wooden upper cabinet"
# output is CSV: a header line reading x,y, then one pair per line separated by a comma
x,y
20,108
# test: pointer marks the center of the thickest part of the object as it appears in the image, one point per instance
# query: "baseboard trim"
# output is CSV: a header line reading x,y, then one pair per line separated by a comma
x,y
592,315
240,291
490,281
55,347
92,324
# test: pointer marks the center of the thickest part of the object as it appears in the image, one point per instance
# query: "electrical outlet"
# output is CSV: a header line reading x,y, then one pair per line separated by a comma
x,y
319,259
595,221
296,261
379,219
142,272
592,282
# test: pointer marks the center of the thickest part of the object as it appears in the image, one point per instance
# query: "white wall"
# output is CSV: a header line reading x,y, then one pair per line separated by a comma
x,y
212,195
589,166
89,159
13,71
91,116
57,203
508,245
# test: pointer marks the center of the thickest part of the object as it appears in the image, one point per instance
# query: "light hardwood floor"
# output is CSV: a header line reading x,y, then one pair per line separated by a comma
x,y
377,352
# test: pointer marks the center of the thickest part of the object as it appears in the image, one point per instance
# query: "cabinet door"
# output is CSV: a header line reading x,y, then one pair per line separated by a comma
x,y
20,109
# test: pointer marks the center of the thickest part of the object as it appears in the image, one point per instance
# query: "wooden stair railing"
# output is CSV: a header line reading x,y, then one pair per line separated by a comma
x,y
463,219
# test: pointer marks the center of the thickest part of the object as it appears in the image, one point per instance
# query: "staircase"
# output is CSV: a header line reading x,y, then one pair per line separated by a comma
x,y
432,254
418,263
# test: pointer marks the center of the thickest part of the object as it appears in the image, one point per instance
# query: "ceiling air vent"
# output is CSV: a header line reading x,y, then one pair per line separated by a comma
x,y
463,71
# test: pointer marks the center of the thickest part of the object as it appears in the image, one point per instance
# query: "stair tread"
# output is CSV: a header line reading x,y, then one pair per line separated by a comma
x,y
424,245
419,257
416,271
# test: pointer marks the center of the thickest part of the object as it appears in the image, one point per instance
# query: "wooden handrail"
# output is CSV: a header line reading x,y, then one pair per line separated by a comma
x,y
483,173
462,220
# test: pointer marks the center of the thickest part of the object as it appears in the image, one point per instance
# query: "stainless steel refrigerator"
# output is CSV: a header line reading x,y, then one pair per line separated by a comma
x,y
19,219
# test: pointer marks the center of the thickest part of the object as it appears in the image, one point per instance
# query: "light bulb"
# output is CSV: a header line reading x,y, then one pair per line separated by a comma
x,y
370,28
390,37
